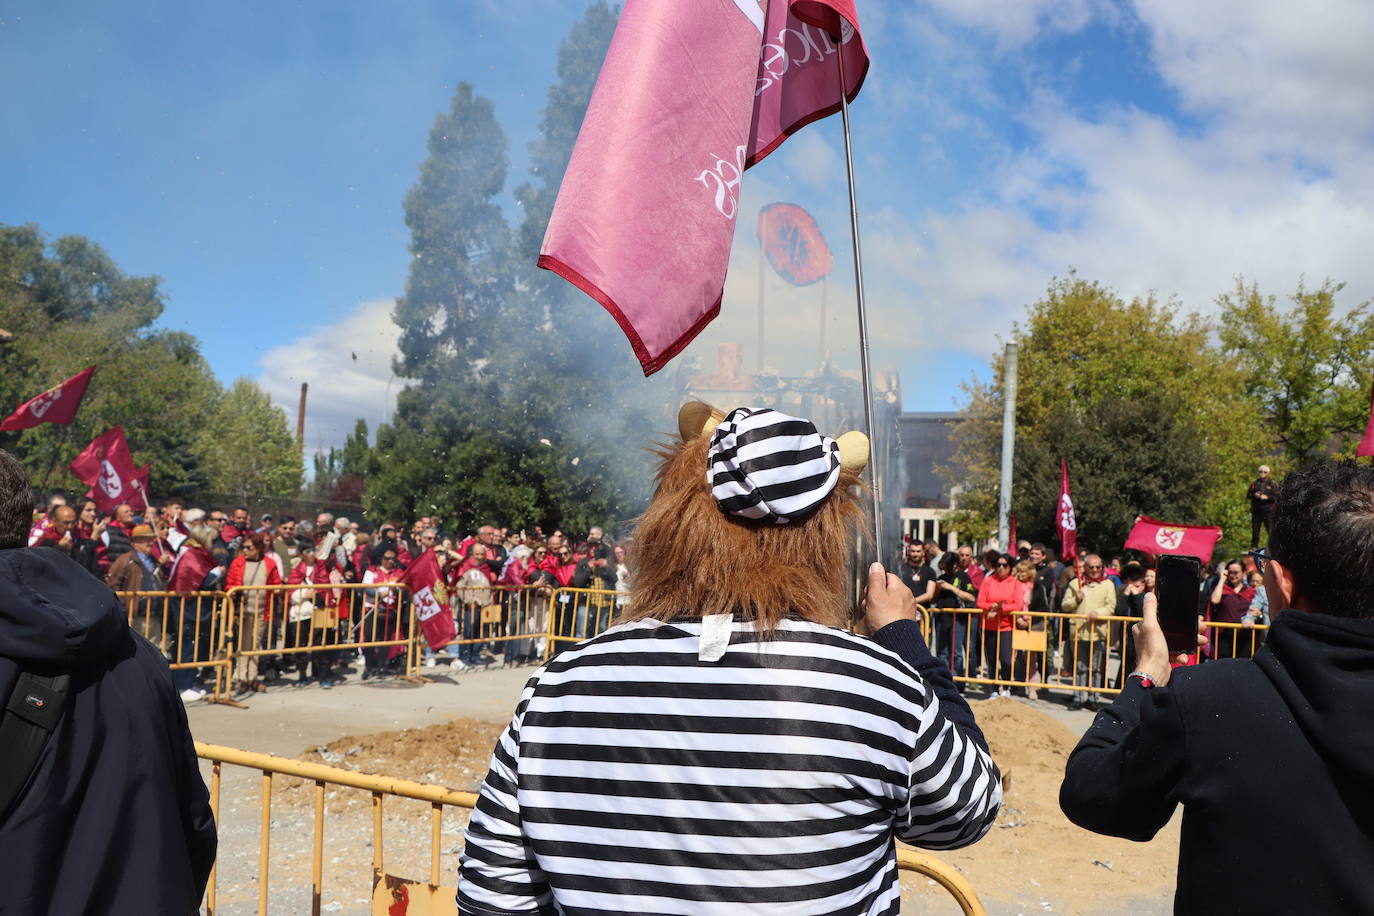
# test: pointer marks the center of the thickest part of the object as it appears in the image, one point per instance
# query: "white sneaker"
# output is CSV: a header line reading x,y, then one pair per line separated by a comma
x,y
191,694
429,662
457,664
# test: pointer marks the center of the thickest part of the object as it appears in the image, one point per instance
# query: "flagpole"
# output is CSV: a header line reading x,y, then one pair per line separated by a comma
x,y
863,314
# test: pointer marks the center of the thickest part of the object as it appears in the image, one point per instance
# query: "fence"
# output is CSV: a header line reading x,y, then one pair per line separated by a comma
x,y
1056,651
392,894
236,634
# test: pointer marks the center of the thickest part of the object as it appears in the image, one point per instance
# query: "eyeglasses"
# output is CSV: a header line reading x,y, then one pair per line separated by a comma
x,y
1003,563
219,518
1093,568
389,556
1261,558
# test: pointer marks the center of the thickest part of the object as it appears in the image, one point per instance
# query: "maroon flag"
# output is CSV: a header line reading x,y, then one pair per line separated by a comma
x,y
1011,533
690,95
56,405
1065,518
107,467
429,598
1366,446
1183,540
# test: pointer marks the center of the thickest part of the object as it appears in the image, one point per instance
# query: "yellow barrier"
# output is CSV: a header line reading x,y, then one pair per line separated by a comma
x,y
190,628
581,613
437,898
314,620
1055,651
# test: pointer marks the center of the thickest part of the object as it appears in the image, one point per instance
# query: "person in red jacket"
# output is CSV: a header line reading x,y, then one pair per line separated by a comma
x,y
471,582
254,570
194,571
999,598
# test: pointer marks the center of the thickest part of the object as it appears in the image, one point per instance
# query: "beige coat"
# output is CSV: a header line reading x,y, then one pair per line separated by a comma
x,y
1097,596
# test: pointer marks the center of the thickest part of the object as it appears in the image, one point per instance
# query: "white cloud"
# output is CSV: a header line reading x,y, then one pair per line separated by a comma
x,y
1018,22
348,368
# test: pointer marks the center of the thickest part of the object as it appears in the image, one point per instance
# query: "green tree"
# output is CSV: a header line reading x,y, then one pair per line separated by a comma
x,y
1086,356
1307,370
341,473
69,306
248,446
523,395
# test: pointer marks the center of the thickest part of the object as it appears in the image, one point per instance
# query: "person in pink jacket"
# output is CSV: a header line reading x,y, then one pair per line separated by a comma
x,y
999,598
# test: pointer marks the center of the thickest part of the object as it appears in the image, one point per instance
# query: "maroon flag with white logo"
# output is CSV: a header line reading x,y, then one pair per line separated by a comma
x,y
690,95
107,467
1366,446
1182,540
429,598
56,405
1065,519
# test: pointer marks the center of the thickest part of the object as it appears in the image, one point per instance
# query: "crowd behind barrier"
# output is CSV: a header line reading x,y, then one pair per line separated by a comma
x,y
421,894
238,606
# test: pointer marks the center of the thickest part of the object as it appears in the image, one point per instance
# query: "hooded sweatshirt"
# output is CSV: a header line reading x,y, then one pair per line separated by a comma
x,y
1272,759
115,817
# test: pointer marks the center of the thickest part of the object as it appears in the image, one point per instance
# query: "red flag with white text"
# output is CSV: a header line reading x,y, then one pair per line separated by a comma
x,y
56,405
1182,540
690,95
1065,519
107,467
1366,446
430,601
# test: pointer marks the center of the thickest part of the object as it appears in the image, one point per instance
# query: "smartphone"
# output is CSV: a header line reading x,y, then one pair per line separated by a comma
x,y
1177,584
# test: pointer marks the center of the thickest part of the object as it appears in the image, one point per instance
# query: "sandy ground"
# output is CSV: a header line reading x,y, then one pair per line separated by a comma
x,y
1033,861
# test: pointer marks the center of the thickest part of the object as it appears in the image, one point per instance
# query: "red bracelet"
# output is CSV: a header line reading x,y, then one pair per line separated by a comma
x,y
1145,679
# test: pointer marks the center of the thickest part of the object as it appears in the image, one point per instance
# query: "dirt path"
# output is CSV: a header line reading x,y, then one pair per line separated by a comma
x,y
1033,861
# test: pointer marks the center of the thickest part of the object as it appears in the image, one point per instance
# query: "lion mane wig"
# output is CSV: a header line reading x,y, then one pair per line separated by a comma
x,y
691,559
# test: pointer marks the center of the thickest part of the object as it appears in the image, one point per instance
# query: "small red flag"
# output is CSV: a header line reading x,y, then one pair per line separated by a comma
x,y
1065,518
107,467
56,405
430,600
1366,446
1183,540
1011,533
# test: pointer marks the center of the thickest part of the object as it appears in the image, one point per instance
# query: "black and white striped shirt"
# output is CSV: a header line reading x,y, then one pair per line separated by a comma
x,y
635,778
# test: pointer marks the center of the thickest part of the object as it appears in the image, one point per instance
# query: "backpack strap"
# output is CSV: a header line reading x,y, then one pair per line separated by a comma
x,y
34,709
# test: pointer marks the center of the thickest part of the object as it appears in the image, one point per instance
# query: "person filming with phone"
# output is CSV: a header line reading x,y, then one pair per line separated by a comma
x,y
1272,757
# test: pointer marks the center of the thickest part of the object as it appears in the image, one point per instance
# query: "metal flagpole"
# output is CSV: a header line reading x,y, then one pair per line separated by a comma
x,y
863,314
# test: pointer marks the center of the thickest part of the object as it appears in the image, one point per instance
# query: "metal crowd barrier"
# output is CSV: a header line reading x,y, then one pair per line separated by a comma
x,y
281,621
581,613
1057,651
417,896
190,628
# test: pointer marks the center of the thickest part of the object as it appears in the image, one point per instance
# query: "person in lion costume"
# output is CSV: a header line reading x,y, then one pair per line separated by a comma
x,y
727,746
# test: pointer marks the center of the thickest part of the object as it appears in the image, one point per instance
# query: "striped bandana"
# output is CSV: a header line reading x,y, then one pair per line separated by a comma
x,y
767,466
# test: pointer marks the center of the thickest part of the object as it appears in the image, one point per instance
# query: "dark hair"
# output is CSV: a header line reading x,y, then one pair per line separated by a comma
x,y
948,562
16,502
1132,572
256,539
990,557
1323,533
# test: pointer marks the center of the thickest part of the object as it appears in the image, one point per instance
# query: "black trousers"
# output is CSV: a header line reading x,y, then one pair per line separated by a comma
x,y
1256,519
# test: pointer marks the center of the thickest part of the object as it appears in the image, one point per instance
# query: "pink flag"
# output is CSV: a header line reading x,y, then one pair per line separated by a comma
x,y
690,95
107,467
56,405
1183,540
1366,446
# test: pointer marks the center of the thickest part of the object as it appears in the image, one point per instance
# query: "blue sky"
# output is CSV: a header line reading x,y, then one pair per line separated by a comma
x,y
255,156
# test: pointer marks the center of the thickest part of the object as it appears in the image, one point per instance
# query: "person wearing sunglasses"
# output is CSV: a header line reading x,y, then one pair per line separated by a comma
x,y
1095,599
1000,598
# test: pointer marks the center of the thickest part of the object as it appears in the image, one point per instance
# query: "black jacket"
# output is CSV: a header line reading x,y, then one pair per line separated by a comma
x,y
116,818
1272,759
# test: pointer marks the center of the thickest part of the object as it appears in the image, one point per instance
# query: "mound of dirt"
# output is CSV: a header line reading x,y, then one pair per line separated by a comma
x,y
454,754
1034,860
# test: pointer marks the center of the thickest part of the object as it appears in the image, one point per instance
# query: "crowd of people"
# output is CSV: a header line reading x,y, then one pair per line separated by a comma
x,y
196,554
978,601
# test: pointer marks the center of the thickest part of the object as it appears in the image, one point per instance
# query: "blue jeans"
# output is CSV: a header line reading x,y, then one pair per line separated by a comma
x,y
600,614
951,636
